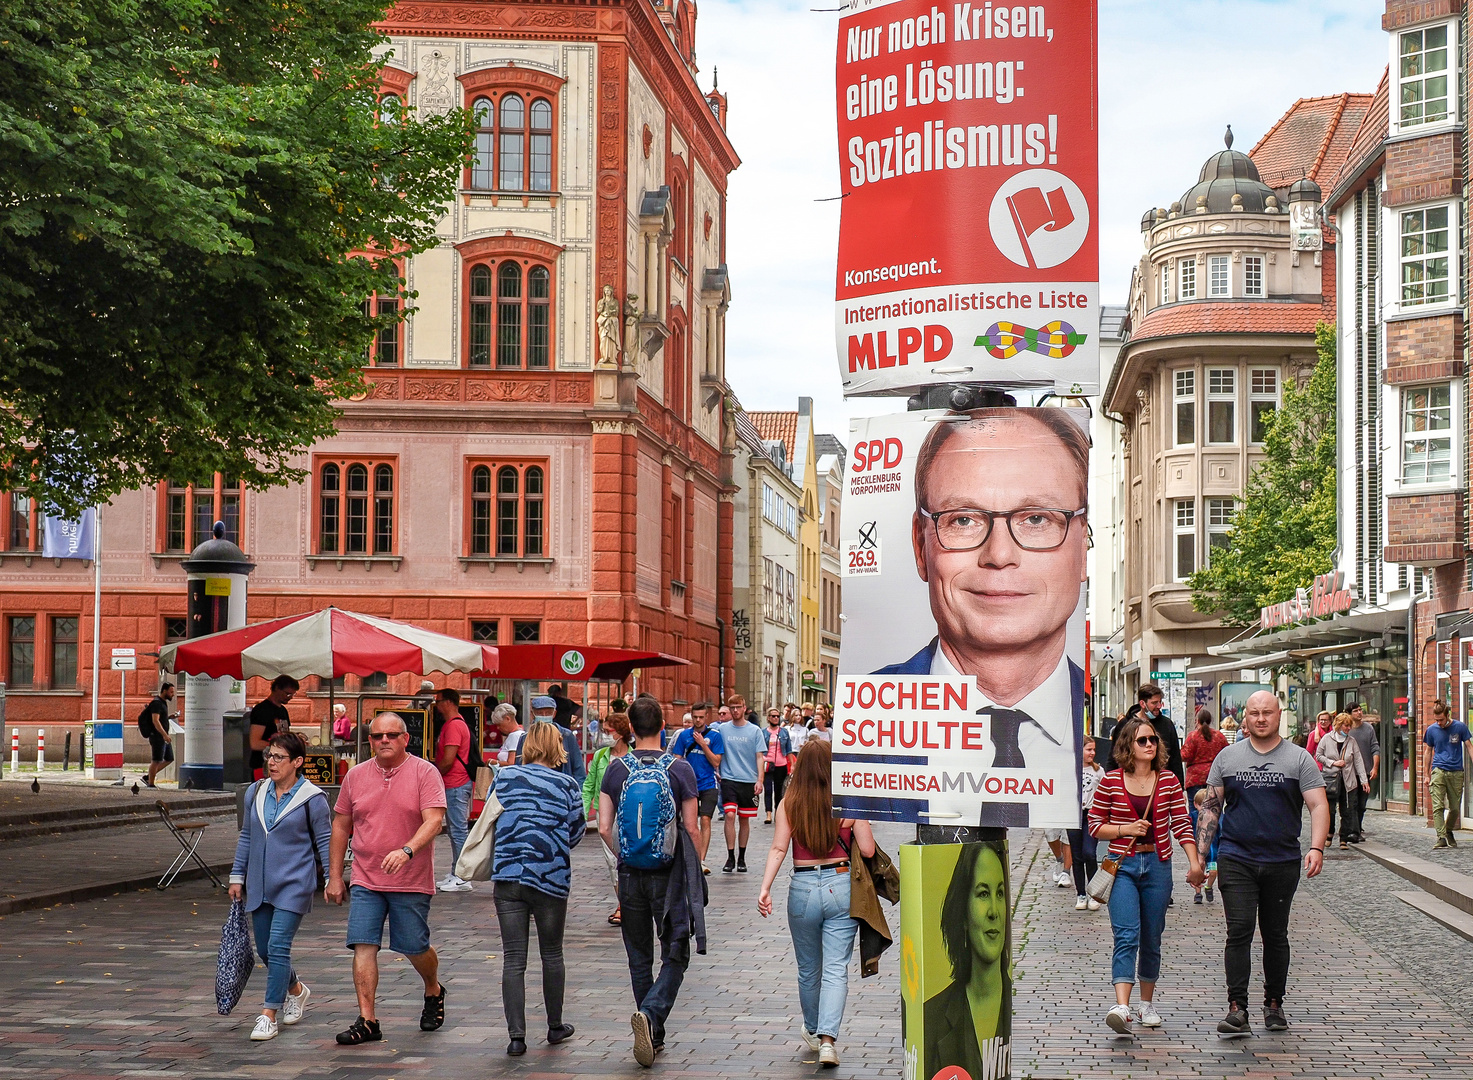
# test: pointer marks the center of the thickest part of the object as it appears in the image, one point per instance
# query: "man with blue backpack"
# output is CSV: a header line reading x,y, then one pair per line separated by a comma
x,y
647,813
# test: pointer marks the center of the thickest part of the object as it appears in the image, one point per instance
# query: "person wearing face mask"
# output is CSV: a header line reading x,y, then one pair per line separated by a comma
x,y
1149,708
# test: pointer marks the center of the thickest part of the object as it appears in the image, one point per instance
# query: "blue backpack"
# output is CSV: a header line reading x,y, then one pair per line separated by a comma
x,y
647,814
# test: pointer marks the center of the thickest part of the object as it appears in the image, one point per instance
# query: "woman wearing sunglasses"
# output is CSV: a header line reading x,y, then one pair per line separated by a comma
x,y
1139,809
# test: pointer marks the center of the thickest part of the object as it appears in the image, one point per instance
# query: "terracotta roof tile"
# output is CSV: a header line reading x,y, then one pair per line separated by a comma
x,y
1312,138
1368,138
778,425
1198,317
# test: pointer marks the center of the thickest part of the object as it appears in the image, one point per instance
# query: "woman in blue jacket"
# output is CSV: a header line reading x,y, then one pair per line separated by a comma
x,y
283,849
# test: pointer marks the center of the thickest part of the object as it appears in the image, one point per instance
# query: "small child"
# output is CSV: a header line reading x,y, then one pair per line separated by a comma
x,y
1082,846
1198,801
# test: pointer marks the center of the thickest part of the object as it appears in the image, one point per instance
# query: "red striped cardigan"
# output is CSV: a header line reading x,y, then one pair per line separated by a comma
x,y
1112,807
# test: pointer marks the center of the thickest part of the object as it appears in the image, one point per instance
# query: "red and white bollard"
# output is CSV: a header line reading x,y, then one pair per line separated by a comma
x,y
40,749
14,750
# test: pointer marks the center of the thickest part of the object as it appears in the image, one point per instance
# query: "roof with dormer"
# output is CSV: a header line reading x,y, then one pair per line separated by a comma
x,y
1313,138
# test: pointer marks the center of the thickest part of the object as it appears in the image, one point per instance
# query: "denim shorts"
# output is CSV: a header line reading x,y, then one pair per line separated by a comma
x,y
408,914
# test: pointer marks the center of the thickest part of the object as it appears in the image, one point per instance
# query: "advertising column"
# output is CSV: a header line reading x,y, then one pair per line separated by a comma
x,y
217,572
969,258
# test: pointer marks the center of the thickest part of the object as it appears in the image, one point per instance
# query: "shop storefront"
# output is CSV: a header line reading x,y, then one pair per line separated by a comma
x,y
1375,677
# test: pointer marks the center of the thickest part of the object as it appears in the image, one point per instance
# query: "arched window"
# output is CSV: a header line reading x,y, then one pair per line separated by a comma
x,y
480,316
388,108
539,317
507,510
357,510
509,315
483,175
191,508
512,142
532,516
383,509
481,510
541,165
330,522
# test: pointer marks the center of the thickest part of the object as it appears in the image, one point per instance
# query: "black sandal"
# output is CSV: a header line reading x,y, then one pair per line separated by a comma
x,y
616,918
433,1018
362,1031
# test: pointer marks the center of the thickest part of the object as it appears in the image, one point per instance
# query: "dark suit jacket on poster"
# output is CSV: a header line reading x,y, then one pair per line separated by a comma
x,y
951,1037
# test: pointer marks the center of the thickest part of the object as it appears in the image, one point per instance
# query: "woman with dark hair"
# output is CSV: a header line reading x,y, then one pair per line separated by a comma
x,y
1139,808
974,927
279,863
818,894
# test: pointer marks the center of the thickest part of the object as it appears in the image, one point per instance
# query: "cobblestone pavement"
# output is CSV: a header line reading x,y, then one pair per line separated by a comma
x,y
1355,1001
123,987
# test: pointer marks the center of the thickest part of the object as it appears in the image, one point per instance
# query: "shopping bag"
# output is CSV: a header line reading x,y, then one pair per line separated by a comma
x,y
236,961
475,857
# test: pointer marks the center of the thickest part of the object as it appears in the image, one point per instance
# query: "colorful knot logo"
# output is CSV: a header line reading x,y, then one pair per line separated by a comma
x,y
1006,340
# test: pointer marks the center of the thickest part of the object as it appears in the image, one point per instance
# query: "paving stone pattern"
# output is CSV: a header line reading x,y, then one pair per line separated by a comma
x,y
123,987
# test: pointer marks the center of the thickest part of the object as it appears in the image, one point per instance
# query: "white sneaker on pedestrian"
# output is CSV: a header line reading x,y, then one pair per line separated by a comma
x,y
1081,904
812,1041
455,884
296,1005
265,1029
1094,905
1062,877
1119,1019
1146,1010
828,1056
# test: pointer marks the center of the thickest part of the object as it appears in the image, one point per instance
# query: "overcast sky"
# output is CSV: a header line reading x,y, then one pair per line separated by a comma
x,y
1172,76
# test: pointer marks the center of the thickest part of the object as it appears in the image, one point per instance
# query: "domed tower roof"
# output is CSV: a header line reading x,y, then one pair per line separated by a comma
x,y
1305,190
1224,175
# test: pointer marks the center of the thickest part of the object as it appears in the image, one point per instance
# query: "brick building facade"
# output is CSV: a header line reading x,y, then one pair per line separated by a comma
x,y
503,479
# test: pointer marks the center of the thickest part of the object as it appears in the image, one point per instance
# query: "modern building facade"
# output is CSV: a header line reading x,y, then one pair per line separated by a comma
x,y
1234,278
540,455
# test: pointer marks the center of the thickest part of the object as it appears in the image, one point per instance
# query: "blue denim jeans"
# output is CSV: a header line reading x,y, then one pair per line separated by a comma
x,y
458,818
823,942
274,931
1138,915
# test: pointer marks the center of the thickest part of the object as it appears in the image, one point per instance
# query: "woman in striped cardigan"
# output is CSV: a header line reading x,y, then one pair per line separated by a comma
x,y
1139,809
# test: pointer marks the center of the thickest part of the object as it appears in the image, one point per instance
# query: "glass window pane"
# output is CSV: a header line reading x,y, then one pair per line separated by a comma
x,y
357,478
20,522
541,115
204,516
1186,552
526,633
383,480
1219,421
1186,423
1262,411
541,179
483,178
22,650
509,316
63,652
539,319
230,515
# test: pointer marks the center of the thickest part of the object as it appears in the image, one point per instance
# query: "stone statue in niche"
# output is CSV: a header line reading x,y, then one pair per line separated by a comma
x,y
631,324
436,94
608,316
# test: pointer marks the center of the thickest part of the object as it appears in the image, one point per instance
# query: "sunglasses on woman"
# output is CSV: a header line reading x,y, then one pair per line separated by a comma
x,y
1147,740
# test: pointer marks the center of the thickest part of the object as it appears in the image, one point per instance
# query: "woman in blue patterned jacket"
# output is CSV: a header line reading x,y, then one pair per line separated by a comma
x,y
541,821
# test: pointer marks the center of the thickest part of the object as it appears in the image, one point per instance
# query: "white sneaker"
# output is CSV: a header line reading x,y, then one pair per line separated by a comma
x,y
296,1005
1119,1019
1094,905
828,1056
1062,877
265,1029
455,884
813,1042
1081,904
1149,1017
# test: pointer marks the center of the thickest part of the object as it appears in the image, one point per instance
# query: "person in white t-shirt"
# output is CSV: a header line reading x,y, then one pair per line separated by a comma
x,y
1082,846
504,716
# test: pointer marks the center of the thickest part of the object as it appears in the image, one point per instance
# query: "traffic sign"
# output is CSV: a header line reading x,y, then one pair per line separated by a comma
x,y
124,663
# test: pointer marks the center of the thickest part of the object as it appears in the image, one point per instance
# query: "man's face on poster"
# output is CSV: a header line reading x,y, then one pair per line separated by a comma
x,y
987,910
1000,595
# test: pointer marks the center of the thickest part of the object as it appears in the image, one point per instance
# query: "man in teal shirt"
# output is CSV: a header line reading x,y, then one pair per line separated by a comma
x,y
1442,761
741,778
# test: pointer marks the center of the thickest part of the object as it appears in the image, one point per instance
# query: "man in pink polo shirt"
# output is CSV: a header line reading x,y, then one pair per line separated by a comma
x,y
391,807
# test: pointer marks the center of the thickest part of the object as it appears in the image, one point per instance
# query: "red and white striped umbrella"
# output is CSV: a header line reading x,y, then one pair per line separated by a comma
x,y
327,644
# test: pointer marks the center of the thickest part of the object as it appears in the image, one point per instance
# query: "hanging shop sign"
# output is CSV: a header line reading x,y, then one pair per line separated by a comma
x,y
969,161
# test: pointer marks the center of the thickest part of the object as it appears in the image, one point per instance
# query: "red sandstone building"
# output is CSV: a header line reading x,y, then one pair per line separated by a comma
x,y
509,477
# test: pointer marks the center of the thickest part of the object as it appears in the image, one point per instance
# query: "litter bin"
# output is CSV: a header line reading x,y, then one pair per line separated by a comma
x,y
237,747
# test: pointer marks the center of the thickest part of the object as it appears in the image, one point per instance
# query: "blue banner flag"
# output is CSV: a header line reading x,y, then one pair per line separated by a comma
x,y
63,539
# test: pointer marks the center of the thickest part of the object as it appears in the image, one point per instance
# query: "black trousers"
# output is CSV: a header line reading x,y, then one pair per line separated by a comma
x,y
1082,849
774,781
1345,807
642,904
516,907
1262,894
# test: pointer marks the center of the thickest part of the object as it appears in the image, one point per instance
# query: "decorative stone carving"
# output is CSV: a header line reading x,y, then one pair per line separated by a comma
x,y
437,84
506,390
432,389
574,391
1143,403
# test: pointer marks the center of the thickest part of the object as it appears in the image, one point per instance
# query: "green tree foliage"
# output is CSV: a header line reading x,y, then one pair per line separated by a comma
x,y
1284,533
183,184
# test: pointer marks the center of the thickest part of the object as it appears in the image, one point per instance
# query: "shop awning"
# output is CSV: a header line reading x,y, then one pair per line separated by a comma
x,y
1340,633
1283,656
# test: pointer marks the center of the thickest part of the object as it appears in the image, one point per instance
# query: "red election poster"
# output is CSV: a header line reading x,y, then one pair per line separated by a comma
x,y
969,235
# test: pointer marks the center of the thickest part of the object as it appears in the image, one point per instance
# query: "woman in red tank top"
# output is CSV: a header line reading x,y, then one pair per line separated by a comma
x,y
818,893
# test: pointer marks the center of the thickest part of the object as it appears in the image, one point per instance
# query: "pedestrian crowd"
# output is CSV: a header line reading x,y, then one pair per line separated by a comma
x,y
653,795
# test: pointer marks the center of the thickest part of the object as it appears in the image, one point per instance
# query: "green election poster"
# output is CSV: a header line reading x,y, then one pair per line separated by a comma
x,y
955,961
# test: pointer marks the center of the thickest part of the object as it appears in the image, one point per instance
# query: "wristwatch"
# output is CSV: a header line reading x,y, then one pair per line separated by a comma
x,y
408,850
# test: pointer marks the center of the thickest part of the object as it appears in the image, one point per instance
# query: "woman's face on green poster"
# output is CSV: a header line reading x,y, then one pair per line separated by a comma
x,y
987,909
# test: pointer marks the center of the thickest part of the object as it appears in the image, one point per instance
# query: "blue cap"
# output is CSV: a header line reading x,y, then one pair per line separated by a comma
x,y
542,701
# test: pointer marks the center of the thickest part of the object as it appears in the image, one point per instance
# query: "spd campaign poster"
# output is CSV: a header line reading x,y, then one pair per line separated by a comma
x,y
969,228
961,687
